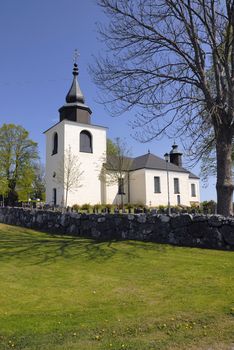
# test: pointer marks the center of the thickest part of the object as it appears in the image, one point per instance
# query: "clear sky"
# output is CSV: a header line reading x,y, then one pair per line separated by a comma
x,y
37,42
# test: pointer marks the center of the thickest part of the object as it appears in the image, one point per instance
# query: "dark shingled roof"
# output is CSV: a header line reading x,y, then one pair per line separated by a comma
x,y
150,161
193,176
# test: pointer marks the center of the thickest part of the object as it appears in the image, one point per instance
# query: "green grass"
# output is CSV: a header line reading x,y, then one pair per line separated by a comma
x,y
70,293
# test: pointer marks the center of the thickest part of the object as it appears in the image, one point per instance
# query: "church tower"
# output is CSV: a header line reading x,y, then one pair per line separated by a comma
x,y
176,156
76,137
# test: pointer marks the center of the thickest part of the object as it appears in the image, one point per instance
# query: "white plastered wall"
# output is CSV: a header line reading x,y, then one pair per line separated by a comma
x,y
91,189
137,186
112,196
196,182
155,199
53,162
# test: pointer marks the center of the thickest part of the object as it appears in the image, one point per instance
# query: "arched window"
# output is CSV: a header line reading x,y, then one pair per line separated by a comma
x,y
86,142
55,143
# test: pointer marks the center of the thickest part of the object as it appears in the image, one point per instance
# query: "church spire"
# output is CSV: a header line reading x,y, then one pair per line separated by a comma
x,y
75,109
75,94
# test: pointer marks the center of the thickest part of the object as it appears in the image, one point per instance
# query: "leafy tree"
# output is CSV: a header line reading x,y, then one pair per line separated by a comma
x,y
161,56
111,148
3,188
17,154
70,173
24,186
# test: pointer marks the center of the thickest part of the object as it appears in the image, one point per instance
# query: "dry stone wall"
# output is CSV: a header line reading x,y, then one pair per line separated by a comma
x,y
207,231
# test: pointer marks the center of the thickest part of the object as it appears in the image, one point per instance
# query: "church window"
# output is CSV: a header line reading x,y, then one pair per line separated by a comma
x,y
157,187
86,142
178,200
55,143
54,196
121,185
176,185
193,190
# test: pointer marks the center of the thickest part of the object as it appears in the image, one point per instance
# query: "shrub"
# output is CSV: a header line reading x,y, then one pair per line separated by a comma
x,y
139,205
75,207
161,207
129,206
109,207
86,206
97,207
208,206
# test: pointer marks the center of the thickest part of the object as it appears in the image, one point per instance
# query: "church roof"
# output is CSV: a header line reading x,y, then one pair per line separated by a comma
x,y
149,161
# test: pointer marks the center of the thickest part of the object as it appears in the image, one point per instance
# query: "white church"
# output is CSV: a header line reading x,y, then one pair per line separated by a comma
x,y
148,179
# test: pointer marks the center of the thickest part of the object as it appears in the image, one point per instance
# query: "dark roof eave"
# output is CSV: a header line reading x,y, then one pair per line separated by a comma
x,y
164,169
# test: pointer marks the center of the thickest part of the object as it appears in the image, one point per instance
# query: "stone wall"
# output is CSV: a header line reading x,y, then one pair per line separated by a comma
x,y
208,231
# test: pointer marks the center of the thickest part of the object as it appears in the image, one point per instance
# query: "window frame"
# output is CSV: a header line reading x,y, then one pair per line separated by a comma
x,y
176,185
55,143
157,189
83,146
193,190
121,185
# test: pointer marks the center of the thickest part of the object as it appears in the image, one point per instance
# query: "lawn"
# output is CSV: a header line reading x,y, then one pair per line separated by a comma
x,y
60,292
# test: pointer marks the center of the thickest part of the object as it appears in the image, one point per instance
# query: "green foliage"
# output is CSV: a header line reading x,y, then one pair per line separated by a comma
x,y
24,186
109,206
3,186
76,207
139,205
208,206
86,206
63,292
17,154
98,207
129,206
111,147
162,207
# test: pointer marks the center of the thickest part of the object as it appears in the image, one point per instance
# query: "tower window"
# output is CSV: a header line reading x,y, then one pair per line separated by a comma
x,y
55,143
86,142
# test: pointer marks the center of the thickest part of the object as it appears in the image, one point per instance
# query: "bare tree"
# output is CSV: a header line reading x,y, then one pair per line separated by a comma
x,y
116,168
69,173
174,59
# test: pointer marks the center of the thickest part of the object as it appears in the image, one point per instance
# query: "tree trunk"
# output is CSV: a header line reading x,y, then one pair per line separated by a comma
x,y
224,185
66,197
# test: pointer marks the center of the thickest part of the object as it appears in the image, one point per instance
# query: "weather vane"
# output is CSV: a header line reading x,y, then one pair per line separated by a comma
x,y
76,56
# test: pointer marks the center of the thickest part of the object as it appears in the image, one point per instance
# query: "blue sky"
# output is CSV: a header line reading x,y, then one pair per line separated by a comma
x,y
37,42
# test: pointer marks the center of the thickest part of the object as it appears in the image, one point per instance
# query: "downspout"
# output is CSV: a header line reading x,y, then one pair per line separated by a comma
x,y
129,188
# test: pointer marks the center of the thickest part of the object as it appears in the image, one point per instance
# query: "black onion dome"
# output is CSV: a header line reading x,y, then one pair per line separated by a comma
x,y
75,93
175,149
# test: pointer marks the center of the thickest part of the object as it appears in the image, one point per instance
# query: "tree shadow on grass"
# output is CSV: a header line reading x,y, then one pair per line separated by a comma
x,y
31,247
